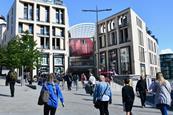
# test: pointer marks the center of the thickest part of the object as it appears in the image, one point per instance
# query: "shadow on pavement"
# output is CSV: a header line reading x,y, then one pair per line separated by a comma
x,y
88,99
4,95
81,94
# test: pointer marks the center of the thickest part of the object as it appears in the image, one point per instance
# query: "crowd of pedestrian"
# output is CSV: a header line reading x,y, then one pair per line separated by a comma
x,y
100,90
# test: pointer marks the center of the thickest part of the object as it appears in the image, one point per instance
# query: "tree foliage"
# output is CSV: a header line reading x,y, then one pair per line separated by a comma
x,y
20,51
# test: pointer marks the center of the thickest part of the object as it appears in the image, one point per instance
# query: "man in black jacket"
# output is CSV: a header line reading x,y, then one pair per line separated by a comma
x,y
141,89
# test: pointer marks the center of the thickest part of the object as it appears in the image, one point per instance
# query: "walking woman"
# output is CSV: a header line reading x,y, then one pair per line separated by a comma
x,y
54,94
162,88
103,96
128,97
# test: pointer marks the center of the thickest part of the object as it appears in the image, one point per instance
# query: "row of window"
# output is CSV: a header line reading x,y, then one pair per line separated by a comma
x,y
57,43
122,22
112,38
44,30
58,64
42,12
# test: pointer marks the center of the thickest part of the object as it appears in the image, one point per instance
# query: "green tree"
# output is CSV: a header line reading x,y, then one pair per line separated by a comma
x,y
31,56
21,51
13,53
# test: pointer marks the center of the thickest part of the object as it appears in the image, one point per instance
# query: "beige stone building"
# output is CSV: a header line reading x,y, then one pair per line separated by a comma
x,y
126,45
47,22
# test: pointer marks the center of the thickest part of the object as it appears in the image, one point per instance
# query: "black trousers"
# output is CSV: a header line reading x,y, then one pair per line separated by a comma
x,y
143,98
104,108
48,109
12,88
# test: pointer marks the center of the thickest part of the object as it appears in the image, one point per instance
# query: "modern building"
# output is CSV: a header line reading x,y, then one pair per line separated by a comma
x,y
166,62
124,44
47,22
2,28
81,48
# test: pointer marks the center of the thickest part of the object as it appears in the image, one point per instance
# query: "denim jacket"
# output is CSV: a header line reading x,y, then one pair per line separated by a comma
x,y
99,90
54,94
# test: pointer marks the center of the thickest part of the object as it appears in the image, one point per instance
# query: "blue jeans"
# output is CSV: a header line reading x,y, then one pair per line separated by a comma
x,y
163,108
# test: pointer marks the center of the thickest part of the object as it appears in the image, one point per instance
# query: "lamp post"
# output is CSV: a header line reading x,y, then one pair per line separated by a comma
x,y
96,38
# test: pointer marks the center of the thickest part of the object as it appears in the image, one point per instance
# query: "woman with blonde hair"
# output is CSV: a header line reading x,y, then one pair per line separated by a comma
x,y
162,88
54,94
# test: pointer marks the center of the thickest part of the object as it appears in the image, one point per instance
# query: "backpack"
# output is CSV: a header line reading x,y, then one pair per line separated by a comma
x,y
13,75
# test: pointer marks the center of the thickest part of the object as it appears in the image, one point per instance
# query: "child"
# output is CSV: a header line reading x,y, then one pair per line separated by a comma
x,y
127,97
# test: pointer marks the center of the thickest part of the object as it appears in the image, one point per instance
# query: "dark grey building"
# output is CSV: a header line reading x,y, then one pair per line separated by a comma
x,y
166,62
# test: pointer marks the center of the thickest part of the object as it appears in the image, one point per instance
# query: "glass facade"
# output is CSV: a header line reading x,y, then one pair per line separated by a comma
x,y
58,63
125,60
166,61
113,60
44,68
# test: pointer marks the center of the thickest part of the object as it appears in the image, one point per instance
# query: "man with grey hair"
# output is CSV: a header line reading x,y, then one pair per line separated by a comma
x,y
102,96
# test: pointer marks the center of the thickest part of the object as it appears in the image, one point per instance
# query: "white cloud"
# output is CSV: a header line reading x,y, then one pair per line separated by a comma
x,y
165,51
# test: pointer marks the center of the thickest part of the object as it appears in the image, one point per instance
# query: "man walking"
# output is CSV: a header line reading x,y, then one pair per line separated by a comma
x,y
141,89
12,80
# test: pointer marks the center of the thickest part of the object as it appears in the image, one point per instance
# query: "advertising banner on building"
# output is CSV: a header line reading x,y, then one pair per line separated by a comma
x,y
81,47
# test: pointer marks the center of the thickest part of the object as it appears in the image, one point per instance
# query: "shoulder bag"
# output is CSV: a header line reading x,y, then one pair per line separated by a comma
x,y
44,97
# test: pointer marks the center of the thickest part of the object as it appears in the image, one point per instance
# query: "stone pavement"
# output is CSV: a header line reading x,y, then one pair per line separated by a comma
x,y
76,102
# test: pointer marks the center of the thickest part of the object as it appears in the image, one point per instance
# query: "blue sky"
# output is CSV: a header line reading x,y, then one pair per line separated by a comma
x,y
156,13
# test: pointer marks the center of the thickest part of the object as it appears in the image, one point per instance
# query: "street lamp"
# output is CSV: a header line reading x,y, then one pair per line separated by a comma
x,y
96,38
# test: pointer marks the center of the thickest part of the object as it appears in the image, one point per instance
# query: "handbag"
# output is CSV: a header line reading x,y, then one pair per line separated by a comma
x,y
97,102
44,97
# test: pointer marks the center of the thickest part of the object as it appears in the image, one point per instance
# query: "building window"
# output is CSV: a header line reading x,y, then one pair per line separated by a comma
x,y
38,13
141,54
125,60
31,29
103,61
30,17
53,31
112,38
20,27
62,17
139,22
8,22
44,30
47,43
123,21
140,36
44,43
113,60
58,32
47,14
124,35
56,43
57,16
102,41
25,11
45,60
58,62
83,41
53,43
28,11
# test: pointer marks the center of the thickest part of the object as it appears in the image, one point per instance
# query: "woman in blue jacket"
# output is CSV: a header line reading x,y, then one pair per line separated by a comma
x,y
103,95
54,94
